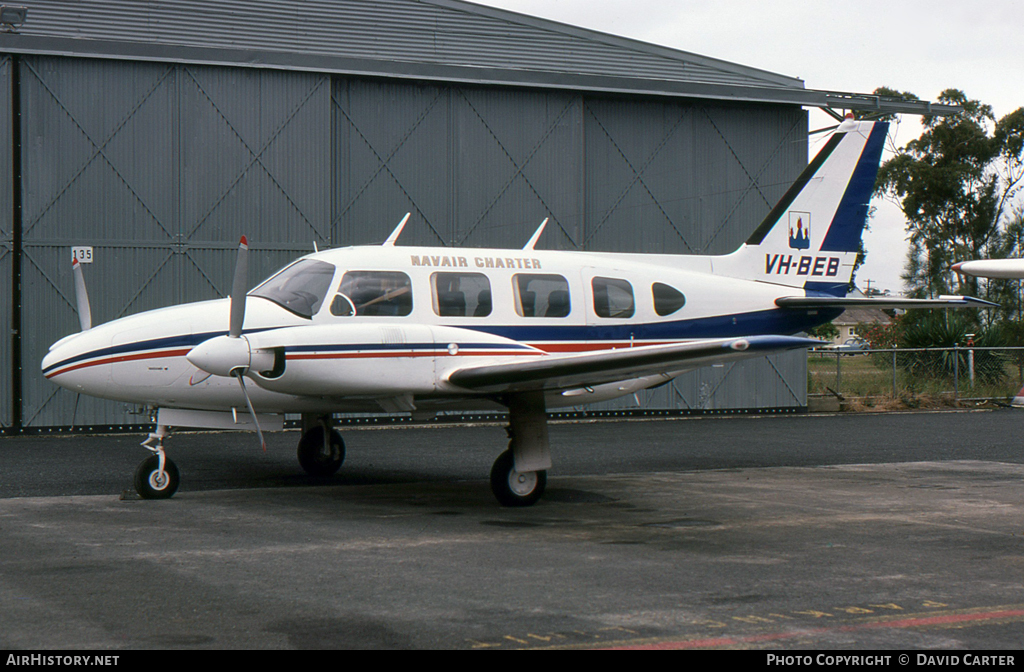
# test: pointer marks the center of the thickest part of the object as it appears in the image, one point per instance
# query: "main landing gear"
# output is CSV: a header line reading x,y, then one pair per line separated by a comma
x,y
516,488
519,475
321,449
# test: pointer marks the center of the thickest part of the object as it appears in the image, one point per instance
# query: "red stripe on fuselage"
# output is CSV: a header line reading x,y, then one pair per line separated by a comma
x,y
591,346
441,352
121,358
539,348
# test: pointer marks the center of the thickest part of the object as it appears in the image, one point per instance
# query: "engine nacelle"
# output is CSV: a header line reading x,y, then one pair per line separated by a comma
x,y
373,359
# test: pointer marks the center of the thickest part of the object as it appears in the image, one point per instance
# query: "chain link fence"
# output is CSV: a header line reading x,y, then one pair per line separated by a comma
x,y
915,377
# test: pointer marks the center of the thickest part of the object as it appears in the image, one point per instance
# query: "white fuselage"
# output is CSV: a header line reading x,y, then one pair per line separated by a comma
x,y
371,328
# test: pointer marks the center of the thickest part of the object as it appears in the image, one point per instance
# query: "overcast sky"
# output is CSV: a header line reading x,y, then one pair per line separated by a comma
x,y
910,45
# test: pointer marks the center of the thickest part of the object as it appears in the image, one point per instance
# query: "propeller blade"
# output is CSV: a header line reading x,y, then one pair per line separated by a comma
x,y
81,296
198,377
239,287
252,411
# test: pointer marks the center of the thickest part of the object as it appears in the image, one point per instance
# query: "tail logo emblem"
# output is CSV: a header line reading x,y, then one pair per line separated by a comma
x,y
800,230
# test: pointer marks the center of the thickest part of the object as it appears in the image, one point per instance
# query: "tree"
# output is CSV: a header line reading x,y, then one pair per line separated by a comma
x,y
956,185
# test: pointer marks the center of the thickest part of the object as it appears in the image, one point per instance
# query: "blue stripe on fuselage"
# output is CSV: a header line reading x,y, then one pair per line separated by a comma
x,y
766,322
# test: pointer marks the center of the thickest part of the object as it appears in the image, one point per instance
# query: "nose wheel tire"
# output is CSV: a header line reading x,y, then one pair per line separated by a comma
x,y
516,488
152,483
317,459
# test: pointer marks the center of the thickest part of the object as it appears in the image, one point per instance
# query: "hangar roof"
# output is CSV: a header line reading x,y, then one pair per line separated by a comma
x,y
446,40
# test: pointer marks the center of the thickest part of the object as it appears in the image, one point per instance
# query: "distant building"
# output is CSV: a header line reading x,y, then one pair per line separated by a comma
x,y
851,318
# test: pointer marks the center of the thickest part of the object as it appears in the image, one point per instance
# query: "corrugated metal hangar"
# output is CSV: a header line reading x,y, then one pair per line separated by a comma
x,y
156,133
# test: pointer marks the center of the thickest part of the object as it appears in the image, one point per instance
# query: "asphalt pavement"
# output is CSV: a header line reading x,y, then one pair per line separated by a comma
x,y
858,532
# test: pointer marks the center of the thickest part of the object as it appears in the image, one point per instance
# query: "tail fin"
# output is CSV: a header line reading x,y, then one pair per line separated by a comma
x,y
810,239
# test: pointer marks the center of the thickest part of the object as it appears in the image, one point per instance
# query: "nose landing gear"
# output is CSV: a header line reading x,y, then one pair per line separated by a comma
x,y
157,477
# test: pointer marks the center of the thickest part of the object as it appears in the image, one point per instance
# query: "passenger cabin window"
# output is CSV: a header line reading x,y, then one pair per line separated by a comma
x,y
541,295
373,294
461,294
612,297
667,300
299,287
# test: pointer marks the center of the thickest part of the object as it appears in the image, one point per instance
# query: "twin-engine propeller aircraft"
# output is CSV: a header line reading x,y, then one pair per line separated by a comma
x,y
415,329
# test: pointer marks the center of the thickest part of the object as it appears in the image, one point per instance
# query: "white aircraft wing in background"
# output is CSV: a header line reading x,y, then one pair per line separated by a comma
x,y
1007,269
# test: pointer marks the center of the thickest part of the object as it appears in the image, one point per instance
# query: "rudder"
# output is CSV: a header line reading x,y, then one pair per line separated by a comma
x,y
812,236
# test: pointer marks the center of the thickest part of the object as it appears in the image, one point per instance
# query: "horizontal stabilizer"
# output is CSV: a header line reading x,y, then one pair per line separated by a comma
x,y
596,368
885,302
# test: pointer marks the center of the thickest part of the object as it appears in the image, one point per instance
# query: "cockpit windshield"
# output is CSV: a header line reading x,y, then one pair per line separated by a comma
x,y
300,287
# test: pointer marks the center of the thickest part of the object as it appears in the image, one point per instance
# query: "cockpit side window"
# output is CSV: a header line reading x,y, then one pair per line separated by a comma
x,y
541,295
667,299
373,294
299,287
612,297
461,294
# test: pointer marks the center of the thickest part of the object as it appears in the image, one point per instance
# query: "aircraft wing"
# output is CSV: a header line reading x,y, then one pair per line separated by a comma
x,y
607,366
883,302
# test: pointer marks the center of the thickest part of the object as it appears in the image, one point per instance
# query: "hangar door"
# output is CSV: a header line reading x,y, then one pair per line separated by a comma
x,y
476,167
160,175
163,172
693,178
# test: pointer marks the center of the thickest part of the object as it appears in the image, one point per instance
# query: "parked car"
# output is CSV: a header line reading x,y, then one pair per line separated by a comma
x,y
854,344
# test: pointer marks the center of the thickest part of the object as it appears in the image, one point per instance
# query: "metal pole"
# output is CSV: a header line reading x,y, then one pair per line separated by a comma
x,y
839,373
17,245
894,373
956,372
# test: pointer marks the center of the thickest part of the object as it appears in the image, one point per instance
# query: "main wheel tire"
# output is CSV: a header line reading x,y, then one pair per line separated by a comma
x,y
311,452
151,483
514,488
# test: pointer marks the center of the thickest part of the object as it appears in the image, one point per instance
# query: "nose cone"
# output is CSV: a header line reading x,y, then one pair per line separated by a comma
x,y
66,360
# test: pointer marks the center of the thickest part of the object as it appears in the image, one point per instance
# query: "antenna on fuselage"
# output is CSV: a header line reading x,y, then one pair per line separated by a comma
x,y
390,242
536,234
